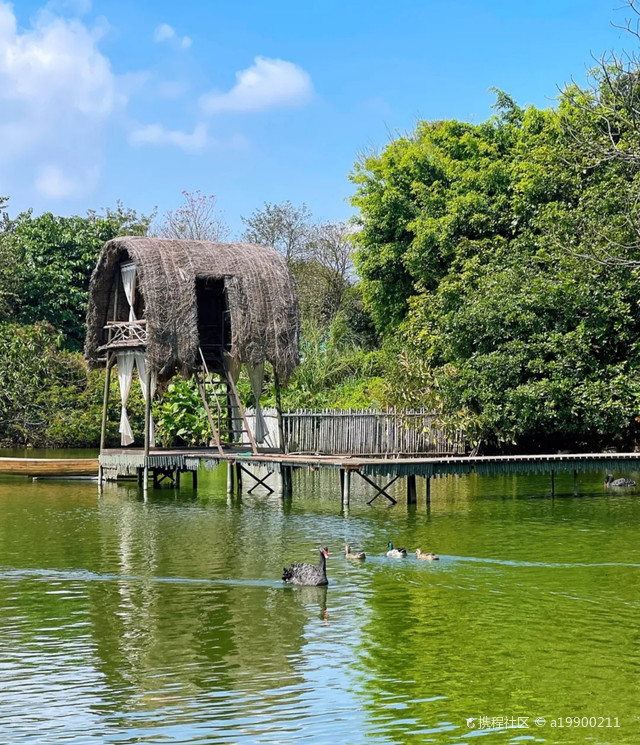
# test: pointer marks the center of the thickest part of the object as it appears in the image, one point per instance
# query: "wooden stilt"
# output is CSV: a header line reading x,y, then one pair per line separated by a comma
x,y
428,483
553,483
276,386
287,481
147,432
176,479
105,408
575,482
412,492
346,486
229,478
194,480
238,478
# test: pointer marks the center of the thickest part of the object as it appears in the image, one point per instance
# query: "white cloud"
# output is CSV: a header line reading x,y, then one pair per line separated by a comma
x,y
54,183
165,32
268,83
57,93
172,89
72,7
156,134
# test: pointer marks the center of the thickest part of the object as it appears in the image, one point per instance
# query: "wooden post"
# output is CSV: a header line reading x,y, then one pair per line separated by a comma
x,y
176,479
147,430
105,401
287,480
575,482
412,492
553,483
346,487
194,482
428,483
276,386
238,478
229,478
105,406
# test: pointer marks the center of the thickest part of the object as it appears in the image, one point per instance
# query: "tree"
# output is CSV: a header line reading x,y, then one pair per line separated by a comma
x,y
493,325
54,257
285,227
197,220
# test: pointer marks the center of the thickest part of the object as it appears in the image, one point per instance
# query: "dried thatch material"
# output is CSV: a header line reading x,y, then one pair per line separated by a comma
x,y
262,300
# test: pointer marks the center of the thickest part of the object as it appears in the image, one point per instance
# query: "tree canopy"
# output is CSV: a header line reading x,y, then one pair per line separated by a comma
x,y
472,256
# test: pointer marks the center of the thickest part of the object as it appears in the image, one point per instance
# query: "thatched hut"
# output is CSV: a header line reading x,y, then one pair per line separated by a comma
x,y
181,306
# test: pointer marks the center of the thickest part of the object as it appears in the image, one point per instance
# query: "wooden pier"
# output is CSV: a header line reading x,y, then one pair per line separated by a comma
x,y
169,464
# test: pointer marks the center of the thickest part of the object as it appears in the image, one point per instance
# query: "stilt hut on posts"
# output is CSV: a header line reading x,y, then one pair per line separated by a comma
x,y
199,309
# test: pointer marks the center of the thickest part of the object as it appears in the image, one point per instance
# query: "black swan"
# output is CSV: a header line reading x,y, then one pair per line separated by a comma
x,y
355,555
610,481
308,574
396,553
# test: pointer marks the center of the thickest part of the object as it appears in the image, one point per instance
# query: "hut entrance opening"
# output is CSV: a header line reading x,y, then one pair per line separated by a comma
x,y
214,320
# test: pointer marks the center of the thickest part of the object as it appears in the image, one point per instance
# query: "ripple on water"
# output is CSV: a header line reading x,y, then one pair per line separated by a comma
x,y
167,622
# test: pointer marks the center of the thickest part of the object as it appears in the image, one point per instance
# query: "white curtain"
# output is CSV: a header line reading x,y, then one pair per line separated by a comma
x,y
256,376
141,364
125,373
128,273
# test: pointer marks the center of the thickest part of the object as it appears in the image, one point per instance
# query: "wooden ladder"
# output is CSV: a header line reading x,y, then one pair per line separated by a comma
x,y
228,407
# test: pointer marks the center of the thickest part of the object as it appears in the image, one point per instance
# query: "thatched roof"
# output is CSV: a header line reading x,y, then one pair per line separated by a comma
x,y
262,300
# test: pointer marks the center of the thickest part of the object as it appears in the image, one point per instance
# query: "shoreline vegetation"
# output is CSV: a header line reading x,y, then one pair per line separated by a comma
x,y
491,275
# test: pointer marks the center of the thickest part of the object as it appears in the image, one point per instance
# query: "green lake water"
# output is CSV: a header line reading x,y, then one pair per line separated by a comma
x,y
124,621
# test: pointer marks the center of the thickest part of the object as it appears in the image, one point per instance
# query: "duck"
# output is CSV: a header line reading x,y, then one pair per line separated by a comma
x,y
356,555
308,574
396,553
427,556
610,481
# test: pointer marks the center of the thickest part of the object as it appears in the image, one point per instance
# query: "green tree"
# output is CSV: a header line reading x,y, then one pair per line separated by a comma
x,y
54,257
463,253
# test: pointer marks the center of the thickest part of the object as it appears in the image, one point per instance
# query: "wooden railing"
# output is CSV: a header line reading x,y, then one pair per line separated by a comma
x,y
390,432
122,334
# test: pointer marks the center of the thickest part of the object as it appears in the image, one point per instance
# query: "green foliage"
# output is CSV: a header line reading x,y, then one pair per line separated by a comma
x,y
472,258
180,416
336,370
51,260
46,397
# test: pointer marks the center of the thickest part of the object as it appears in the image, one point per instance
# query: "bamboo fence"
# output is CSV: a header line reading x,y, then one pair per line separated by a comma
x,y
390,432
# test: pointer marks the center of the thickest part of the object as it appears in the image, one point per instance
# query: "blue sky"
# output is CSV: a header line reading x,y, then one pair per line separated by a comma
x,y
258,101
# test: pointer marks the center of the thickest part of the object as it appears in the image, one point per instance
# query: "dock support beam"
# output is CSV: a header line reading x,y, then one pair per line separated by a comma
x,y
345,482
238,478
575,482
428,488
194,482
553,483
229,478
286,478
412,492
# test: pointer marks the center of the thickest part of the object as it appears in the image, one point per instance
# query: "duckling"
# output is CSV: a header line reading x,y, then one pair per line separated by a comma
x,y
426,557
396,553
356,555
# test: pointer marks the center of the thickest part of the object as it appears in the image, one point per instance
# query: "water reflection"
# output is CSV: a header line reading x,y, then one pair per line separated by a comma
x,y
166,621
